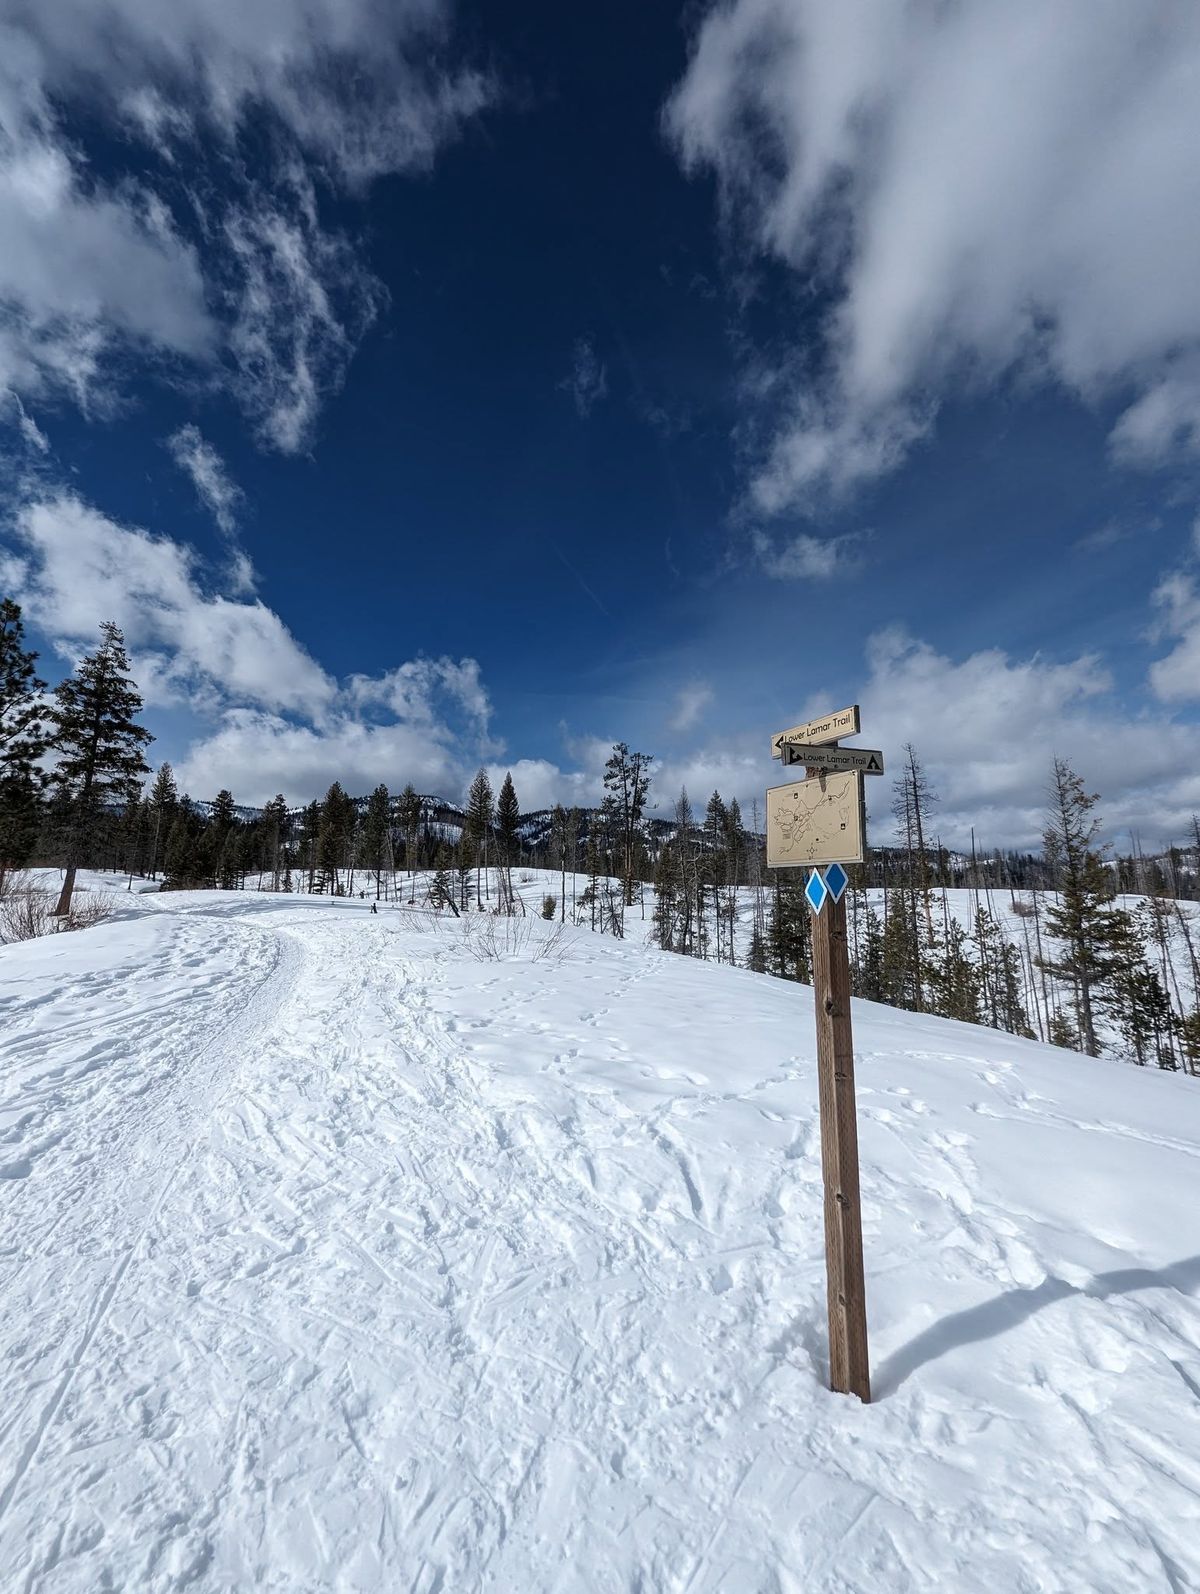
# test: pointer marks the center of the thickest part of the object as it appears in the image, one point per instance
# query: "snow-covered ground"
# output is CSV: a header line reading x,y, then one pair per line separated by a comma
x,y
335,1256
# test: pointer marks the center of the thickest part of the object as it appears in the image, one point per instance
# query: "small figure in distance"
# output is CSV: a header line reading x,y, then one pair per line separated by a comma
x,y
374,907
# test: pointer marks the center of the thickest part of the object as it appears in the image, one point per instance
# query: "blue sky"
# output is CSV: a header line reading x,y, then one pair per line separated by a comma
x,y
422,385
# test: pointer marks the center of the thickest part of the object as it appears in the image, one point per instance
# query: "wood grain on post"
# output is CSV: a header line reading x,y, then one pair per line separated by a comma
x,y
849,1366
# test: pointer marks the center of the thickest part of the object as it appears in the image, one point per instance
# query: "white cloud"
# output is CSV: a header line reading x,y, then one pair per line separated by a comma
x,y
978,189
84,271
363,88
690,703
209,476
1165,421
280,721
988,726
300,302
540,784
414,691
588,381
242,280
805,558
79,567
29,429
1176,678
257,754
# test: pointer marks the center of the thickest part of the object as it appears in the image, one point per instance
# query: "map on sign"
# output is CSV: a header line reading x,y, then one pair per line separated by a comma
x,y
815,821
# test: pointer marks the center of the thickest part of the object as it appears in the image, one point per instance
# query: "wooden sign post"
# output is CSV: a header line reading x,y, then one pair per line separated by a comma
x,y
849,1365
816,822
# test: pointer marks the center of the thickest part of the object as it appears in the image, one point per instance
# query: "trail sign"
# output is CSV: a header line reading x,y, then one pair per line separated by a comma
x,y
821,821
843,722
815,821
868,760
816,891
836,881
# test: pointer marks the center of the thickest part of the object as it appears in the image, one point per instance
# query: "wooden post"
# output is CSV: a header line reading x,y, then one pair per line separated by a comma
x,y
849,1365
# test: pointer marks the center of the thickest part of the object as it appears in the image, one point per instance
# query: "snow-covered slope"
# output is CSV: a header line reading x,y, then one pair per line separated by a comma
x,y
336,1256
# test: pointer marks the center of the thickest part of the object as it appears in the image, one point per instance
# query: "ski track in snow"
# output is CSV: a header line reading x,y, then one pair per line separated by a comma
x,y
331,1258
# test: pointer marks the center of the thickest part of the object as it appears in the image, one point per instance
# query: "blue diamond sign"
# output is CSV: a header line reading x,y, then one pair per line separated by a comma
x,y
816,891
836,881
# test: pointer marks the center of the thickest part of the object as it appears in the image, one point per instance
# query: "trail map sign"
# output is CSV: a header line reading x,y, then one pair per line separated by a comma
x,y
843,722
868,760
815,821
819,821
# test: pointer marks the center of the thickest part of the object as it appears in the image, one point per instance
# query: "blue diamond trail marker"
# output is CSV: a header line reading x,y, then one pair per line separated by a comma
x,y
818,824
836,881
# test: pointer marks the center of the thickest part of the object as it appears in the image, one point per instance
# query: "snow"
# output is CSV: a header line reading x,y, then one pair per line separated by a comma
x,y
335,1256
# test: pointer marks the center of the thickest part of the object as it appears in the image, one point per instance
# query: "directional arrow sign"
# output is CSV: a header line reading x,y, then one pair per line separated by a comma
x,y
867,760
843,722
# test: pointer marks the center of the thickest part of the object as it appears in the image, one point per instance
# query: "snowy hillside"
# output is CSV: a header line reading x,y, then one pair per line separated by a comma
x,y
335,1253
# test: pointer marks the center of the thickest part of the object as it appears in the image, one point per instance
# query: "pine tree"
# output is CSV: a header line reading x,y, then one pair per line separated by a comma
x,y
23,739
686,872
756,958
867,972
591,867
333,838
900,953
275,818
408,817
375,833
164,800
463,864
664,900
132,837
508,820
627,782
712,873
789,930
559,850
734,848
310,830
1081,920
480,816
574,821
999,968
1061,1032
186,865
1134,996
99,745
1188,1030
954,978
441,890
222,824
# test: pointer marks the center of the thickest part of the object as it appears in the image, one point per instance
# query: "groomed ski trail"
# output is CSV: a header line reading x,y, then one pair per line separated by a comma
x,y
336,1260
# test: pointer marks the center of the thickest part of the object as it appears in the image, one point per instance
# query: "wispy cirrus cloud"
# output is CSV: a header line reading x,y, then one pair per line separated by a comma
x,y
806,558
588,382
214,486
242,281
1176,677
690,703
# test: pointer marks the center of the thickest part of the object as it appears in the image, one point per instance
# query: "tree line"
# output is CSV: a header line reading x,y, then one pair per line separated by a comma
x,y
1044,949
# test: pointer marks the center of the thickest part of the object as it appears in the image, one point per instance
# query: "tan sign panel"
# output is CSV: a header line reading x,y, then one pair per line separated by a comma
x,y
867,759
827,729
815,821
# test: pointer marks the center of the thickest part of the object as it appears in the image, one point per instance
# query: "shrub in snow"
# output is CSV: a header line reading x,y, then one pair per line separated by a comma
x,y
27,911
